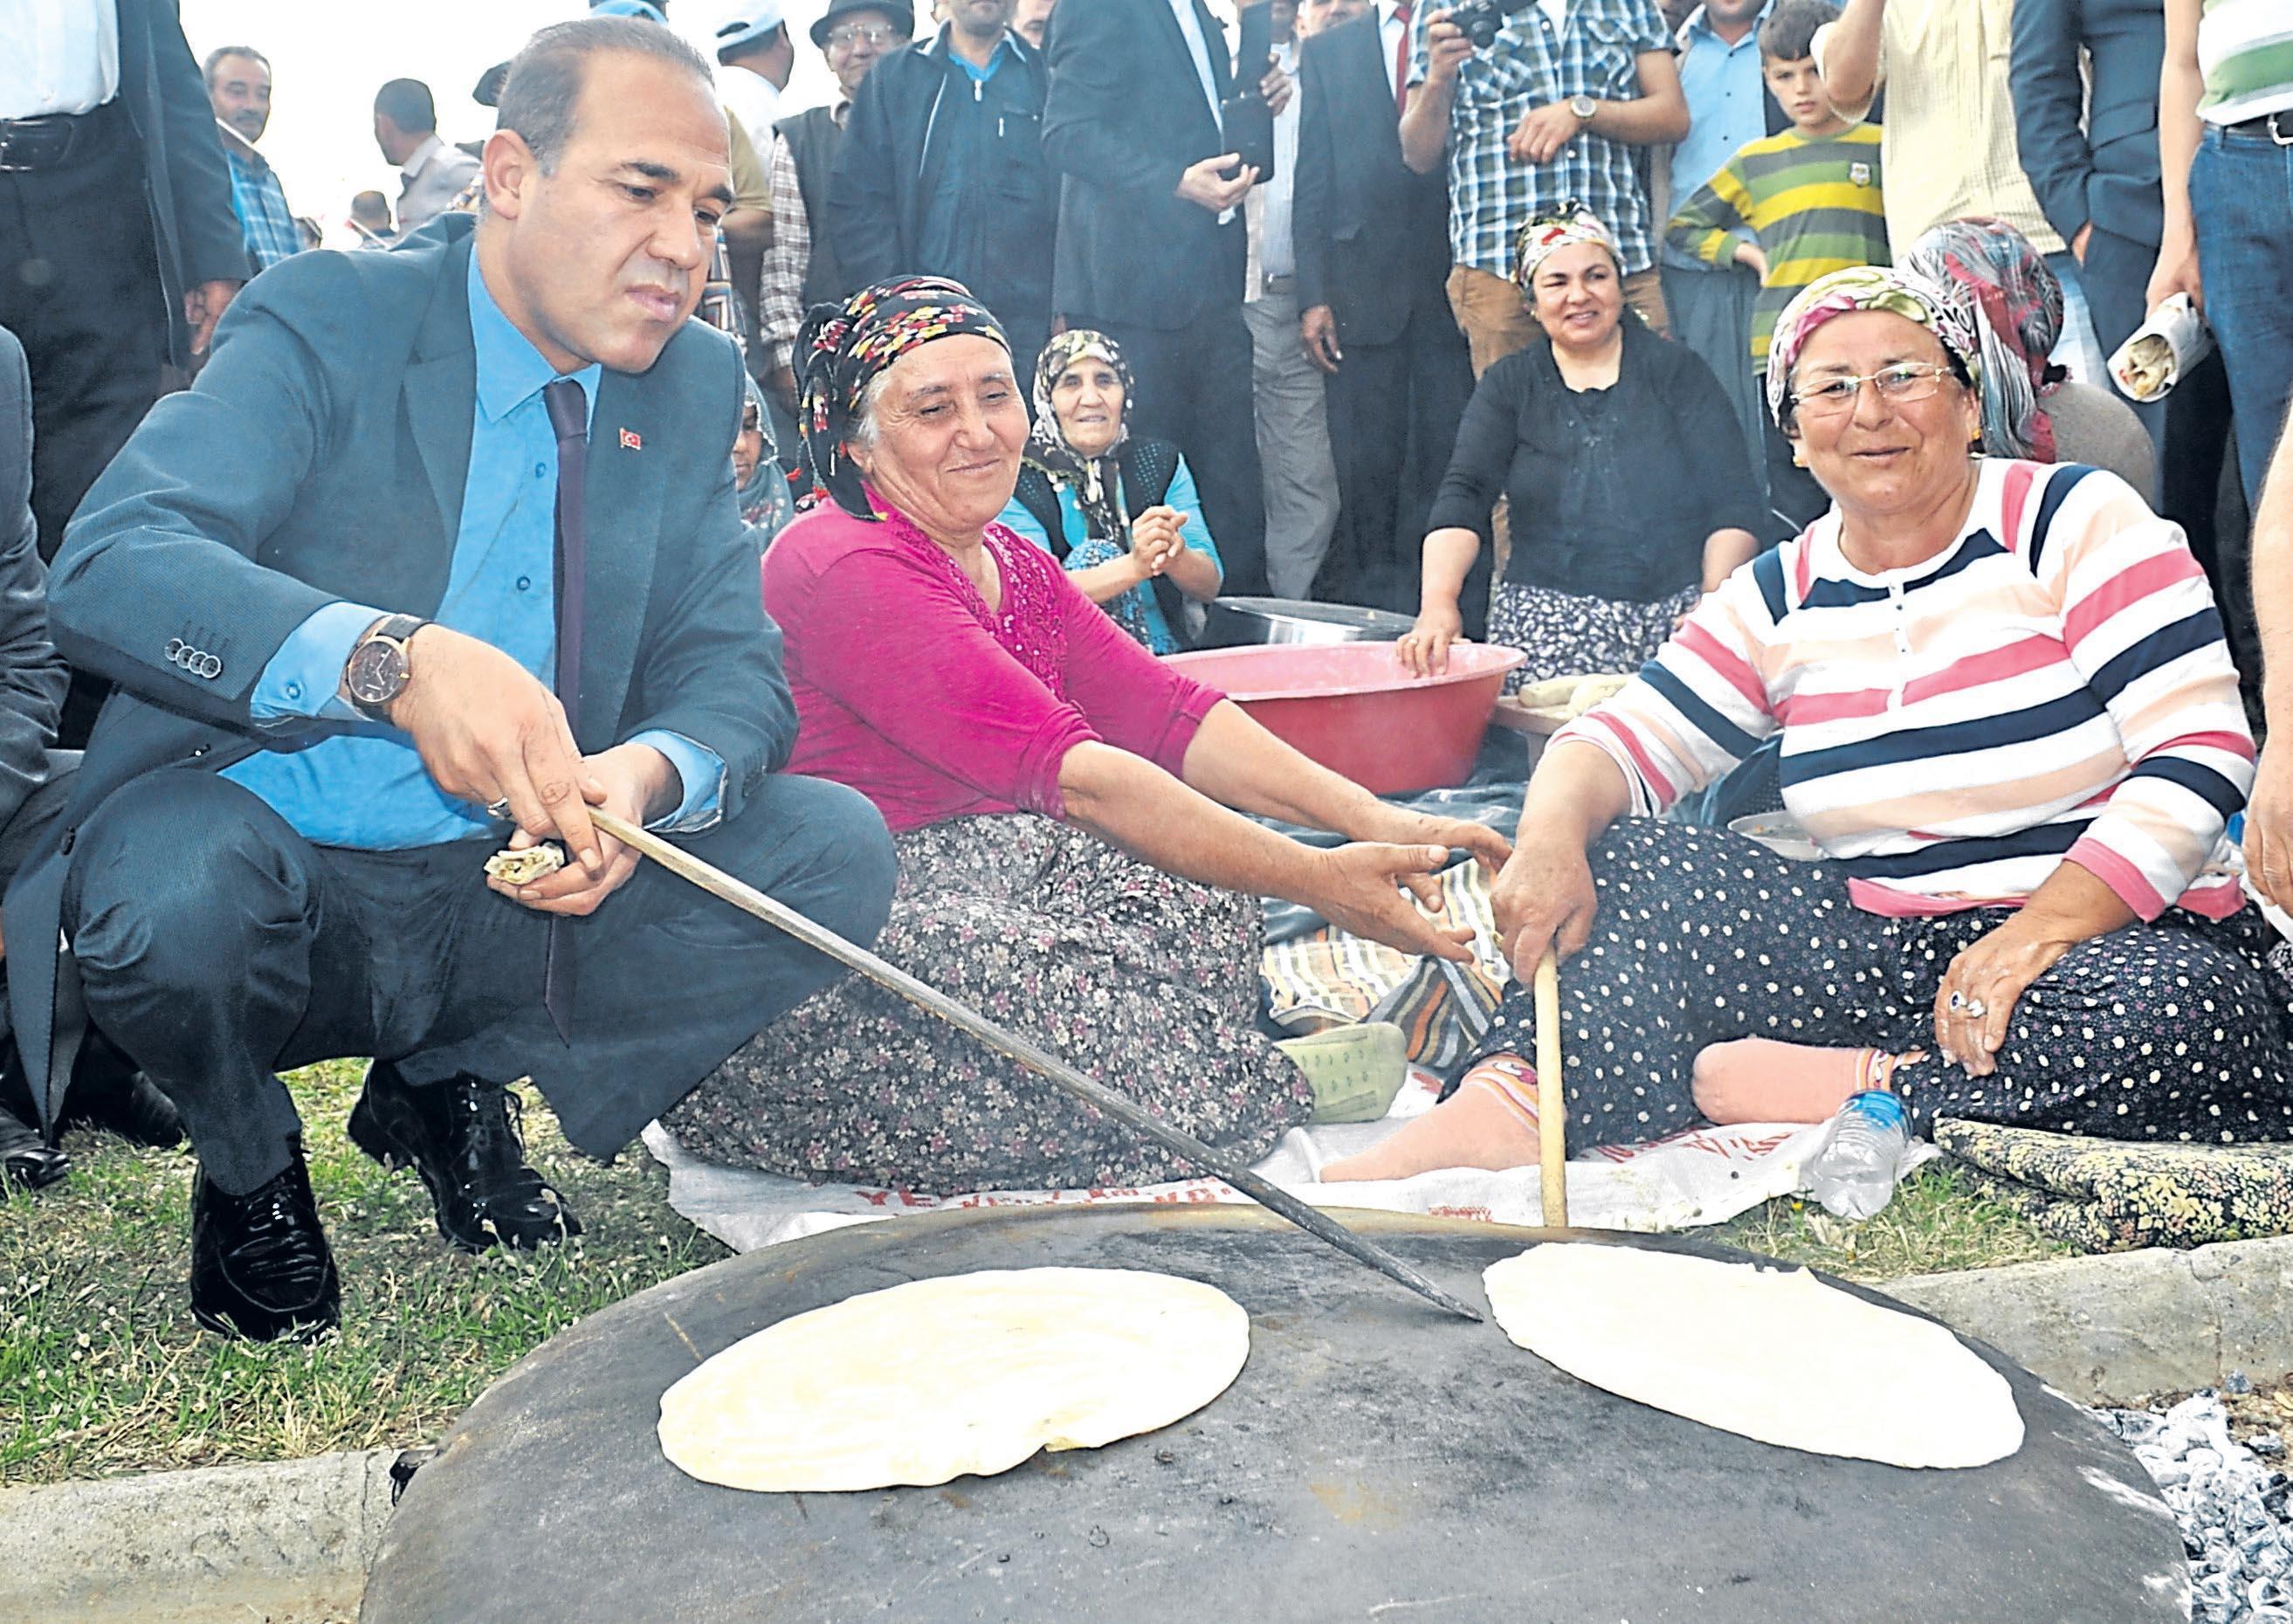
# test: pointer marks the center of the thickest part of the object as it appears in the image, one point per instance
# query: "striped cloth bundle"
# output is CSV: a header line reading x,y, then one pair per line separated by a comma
x,y
2052,685
1330,978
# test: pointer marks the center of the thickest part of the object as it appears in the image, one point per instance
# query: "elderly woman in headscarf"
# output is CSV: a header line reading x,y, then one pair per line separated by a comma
x,y
2008,721
1059,801
1120,514
1631,492
760,485
2031,408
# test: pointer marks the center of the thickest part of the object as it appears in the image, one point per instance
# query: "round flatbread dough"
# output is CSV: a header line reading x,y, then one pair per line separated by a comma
x,y
921,1383
1769,1352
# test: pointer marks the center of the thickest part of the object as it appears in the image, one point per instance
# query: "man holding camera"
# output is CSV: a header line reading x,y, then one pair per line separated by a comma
x,y
1538,104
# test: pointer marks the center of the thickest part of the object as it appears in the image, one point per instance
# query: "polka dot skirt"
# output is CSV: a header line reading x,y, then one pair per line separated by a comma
x,y
2167,1031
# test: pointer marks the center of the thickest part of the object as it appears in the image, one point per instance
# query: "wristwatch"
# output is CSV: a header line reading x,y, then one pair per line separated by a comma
x,y
1584,107
377,670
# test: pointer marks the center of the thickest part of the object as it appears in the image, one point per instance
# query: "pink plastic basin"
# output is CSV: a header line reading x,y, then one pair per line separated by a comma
x,y
1352,707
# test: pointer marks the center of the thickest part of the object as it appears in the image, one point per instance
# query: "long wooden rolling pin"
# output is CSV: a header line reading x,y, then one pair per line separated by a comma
x,y
749,900
1552,1100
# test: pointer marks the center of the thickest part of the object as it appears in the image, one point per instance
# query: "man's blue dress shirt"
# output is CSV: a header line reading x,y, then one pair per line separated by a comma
x,y
362,784
1727,109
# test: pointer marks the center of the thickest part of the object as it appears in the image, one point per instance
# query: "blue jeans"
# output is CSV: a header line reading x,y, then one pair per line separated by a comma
x,y
2242,199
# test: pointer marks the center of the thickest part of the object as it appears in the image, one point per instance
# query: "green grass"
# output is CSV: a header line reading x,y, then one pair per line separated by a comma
x,y
1934,1225
103,1371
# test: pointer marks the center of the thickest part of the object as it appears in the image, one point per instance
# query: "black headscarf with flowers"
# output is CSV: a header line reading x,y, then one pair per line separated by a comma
x,y
843,349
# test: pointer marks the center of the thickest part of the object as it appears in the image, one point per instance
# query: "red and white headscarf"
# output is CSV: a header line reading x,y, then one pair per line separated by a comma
x,y
1548,234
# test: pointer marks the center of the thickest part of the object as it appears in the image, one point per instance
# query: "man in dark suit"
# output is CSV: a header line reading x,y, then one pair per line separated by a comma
x,y
274,851
2097,176
1373,268
1151,247
31,694
118,244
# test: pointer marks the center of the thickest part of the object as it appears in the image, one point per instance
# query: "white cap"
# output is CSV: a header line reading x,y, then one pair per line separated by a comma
x,y
750,21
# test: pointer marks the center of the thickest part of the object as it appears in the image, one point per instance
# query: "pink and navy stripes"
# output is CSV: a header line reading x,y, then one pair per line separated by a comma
x,y
2053,686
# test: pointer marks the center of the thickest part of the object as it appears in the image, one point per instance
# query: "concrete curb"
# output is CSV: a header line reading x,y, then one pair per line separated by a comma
x,y
289,1540
289,1543
2118,1328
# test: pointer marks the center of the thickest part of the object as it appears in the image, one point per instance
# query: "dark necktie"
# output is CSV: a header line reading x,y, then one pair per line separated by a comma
x,y
1401,61
568,415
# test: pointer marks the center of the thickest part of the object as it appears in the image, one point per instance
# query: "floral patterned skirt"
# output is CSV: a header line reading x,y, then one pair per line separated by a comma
x,y
1564,635
1146,982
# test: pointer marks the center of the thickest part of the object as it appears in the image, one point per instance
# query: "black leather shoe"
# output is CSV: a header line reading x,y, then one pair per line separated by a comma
x,y
133,1107
462,1137
27,1160
260,1266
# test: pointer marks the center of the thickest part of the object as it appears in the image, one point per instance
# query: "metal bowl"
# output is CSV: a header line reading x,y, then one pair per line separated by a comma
x,y
1234,623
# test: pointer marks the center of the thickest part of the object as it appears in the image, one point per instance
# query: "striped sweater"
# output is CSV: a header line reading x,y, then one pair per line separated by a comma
x,y
1814,207
2245,49
2052,686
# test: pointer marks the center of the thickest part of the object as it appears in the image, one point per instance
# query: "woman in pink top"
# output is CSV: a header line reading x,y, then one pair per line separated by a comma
x,y
1059,802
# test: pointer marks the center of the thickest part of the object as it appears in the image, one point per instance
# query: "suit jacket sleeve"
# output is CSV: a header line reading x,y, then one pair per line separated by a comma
x,y
161,555
2049,97
711,667
1094,63
1313,188
31,671
214,247
863,211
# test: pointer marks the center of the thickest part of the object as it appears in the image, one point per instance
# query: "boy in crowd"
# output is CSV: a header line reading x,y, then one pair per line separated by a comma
x,y
1792,207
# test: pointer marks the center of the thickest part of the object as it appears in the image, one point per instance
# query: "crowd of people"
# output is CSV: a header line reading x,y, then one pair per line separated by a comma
x,y
821,488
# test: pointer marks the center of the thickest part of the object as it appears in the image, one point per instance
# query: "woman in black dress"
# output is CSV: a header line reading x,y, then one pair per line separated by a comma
x,y
1632,493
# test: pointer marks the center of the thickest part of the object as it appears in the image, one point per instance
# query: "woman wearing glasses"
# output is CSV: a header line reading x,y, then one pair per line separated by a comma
x,y
1630,491
2008,720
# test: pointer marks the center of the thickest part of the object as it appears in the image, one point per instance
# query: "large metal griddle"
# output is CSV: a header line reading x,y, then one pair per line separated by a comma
x,y
1373,1462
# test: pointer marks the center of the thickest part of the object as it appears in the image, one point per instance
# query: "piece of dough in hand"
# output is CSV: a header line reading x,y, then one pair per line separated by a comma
x,y
525,864
924,1382
1765,1350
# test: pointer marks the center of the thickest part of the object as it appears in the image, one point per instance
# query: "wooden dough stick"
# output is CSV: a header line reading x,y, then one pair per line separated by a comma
x,y
1552,1102
1044,1064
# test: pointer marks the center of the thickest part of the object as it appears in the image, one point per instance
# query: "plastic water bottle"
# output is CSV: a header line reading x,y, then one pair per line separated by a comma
x,y
1853,1175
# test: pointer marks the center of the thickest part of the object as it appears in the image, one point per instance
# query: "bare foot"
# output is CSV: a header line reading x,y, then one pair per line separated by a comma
x,y
1489,1123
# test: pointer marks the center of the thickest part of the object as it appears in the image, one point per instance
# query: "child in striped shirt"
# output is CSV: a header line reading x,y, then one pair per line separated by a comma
x,y
1791,207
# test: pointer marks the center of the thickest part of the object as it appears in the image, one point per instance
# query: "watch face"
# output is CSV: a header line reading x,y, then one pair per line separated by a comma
x,y
376,673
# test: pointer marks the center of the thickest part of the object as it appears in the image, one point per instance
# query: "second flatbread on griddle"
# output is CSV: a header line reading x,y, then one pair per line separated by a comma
x,y
1769,1352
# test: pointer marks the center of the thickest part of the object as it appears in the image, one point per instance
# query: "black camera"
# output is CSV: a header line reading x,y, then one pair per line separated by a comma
x,y
1481,18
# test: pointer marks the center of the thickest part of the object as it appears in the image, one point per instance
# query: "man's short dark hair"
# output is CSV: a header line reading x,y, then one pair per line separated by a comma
x,y
544,77
1789,32
215,56
406,104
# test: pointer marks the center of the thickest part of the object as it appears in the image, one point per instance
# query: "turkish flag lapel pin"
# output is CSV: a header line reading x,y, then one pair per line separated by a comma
x,y
631,441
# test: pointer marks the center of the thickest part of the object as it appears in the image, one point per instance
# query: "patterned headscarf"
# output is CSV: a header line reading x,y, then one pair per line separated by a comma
x,y
2020,300
1548,234
1871,287
845,347
1092,478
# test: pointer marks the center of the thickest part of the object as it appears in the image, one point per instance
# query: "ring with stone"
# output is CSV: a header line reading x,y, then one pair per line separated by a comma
x,y
1956,1001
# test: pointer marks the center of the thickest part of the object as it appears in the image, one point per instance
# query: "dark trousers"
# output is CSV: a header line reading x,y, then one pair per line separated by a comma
x,y
217,947
1394,409
2190,428
79,286
1193,389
